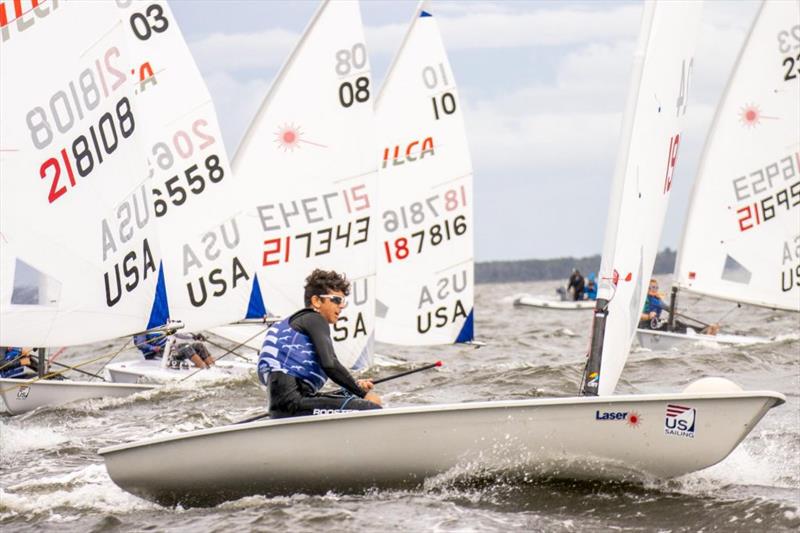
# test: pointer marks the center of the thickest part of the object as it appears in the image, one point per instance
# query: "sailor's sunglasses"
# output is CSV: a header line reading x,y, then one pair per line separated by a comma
x,y
336,299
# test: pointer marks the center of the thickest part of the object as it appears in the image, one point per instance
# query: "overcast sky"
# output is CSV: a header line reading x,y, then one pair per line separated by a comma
x,y
542,86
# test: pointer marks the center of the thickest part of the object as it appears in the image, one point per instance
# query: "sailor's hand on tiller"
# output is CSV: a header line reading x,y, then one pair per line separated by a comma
x,y
374,398
365,384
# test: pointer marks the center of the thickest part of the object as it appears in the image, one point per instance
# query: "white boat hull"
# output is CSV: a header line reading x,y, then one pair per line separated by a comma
x,y
666,340
401,447
143,370
559,305
21,396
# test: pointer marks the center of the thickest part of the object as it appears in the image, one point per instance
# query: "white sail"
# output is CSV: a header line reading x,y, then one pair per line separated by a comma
x,y
78,257
425,230
649,146
192,186
741,241
307,165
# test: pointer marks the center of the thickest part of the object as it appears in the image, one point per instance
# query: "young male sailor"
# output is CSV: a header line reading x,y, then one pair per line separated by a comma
x,y
297,356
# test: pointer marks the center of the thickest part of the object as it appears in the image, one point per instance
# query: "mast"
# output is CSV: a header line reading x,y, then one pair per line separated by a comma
x,y
673,304
591,373
648,154
41,355
590,381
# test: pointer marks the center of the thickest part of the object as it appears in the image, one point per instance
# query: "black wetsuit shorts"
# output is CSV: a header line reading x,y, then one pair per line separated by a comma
x,y
187,350
289,396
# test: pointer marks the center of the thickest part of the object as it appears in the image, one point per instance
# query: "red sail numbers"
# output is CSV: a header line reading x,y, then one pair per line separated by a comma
x,y
414,151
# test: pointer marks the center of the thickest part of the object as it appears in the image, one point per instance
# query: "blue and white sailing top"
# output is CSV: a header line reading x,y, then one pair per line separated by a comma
x,y
288,351
301,347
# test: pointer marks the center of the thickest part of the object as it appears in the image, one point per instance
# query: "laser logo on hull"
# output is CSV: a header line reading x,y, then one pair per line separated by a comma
x,y
631,417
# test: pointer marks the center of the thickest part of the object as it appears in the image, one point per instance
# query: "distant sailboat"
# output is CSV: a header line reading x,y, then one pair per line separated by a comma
x,y
597,436
425,278
741,239
79,250
306,168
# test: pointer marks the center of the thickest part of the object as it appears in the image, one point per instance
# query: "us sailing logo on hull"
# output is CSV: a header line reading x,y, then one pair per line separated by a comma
x,y
680,421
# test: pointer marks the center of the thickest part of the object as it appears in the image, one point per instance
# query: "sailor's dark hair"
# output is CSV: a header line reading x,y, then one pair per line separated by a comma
x,y
324,281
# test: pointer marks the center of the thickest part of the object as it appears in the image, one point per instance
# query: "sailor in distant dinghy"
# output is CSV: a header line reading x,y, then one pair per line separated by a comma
x,y
651,314
297,356
17,362
189,347
150,344
653,305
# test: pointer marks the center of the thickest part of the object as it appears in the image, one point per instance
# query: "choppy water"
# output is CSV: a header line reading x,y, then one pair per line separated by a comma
x,y
52,478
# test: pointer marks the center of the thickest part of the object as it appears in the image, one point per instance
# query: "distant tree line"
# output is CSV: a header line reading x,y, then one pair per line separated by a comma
x,y
555,269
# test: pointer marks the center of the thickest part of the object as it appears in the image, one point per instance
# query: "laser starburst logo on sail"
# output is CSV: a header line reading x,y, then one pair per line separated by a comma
x,y
750,116
289,136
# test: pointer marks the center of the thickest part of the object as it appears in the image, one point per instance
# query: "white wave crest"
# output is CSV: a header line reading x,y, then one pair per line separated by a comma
x,y
86,489
14,440
761,464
